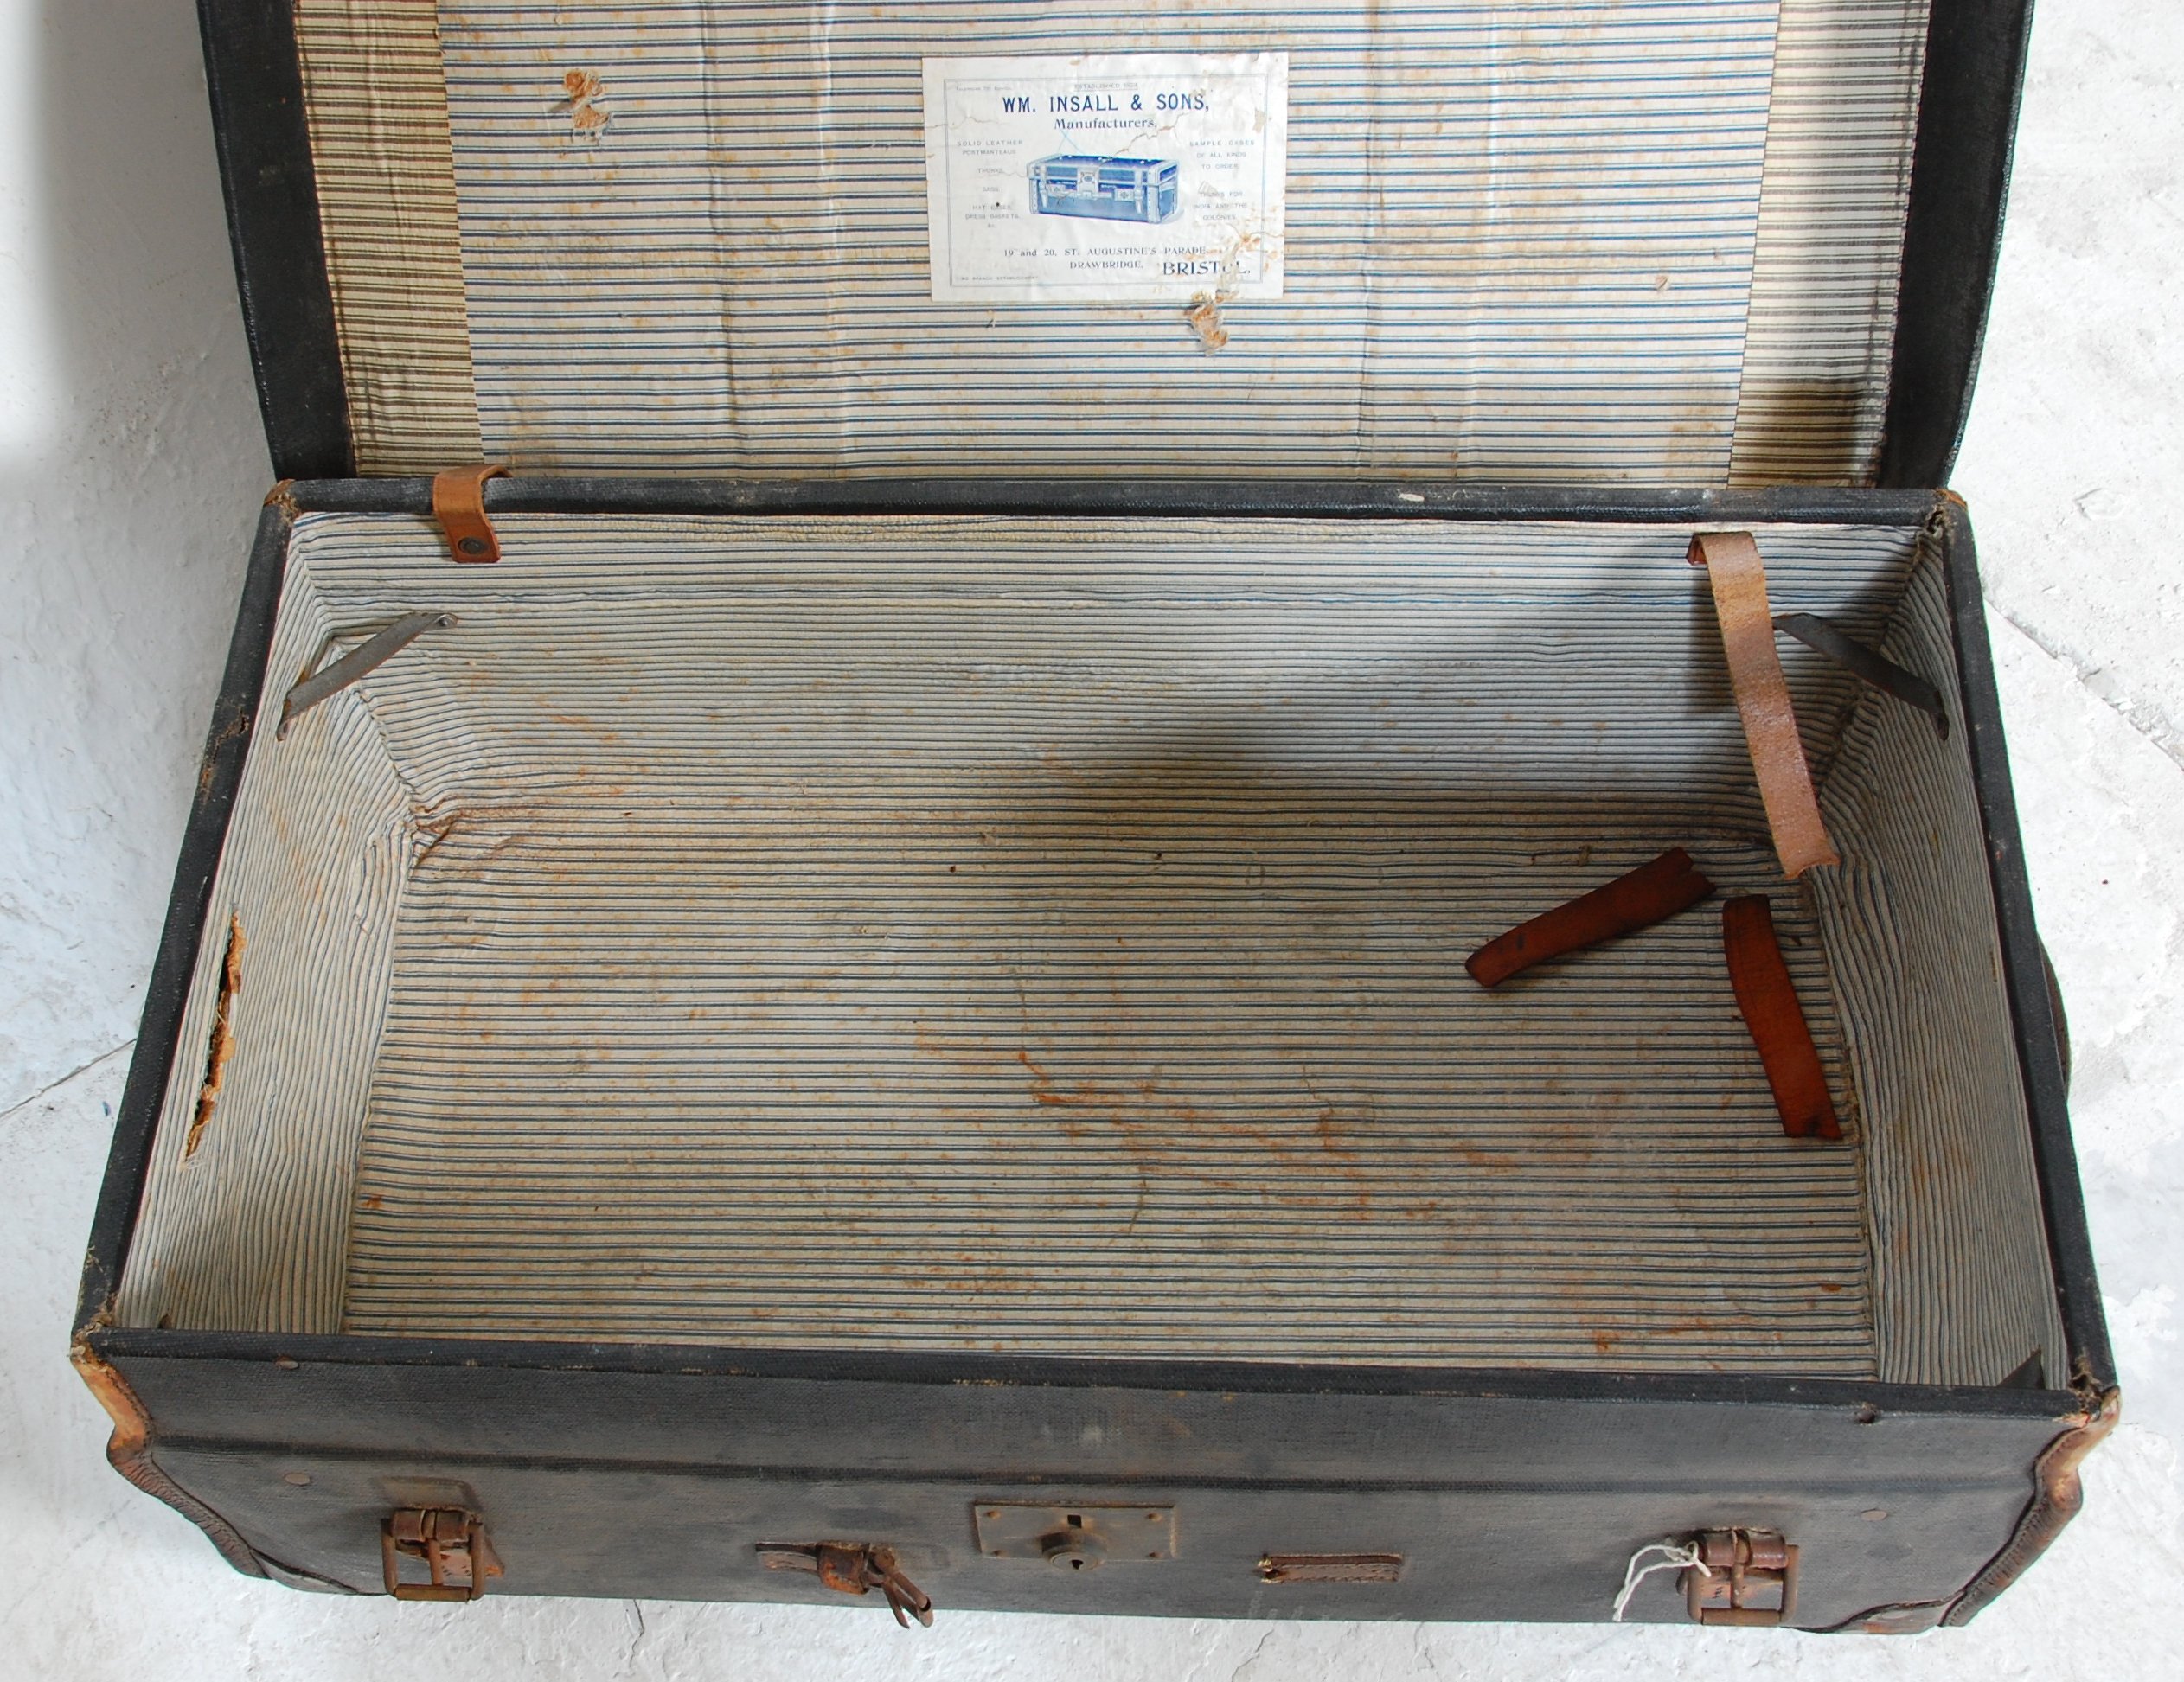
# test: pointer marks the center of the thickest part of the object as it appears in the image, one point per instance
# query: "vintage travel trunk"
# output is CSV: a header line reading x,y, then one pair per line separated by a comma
x,y
853,979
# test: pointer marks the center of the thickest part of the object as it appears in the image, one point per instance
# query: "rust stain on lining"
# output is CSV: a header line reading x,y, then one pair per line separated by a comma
x,y
222,1046
1043,1089
585,90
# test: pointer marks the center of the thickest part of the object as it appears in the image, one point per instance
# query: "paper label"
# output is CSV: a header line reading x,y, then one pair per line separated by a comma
x,y
1124,177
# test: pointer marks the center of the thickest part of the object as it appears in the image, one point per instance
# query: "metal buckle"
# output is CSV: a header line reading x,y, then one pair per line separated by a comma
x,y
854,1568
452,1543
1749,1578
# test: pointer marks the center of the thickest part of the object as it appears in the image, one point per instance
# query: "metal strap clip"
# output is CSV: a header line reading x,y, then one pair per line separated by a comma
x,y
1823,637
854,1568
318,682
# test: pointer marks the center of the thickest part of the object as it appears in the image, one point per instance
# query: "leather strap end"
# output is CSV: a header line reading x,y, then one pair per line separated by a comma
x,y
1740,585
1633,901
1768,1000
459,504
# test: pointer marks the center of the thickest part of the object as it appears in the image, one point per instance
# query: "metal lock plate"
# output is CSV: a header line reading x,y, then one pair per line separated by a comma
x,y
1075,1537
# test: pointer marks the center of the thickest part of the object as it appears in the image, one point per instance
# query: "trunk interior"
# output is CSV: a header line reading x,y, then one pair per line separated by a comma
x,y
1045,935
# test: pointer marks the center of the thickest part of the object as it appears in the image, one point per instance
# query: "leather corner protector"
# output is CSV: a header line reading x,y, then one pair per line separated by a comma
x,y
129,1452
2058,1494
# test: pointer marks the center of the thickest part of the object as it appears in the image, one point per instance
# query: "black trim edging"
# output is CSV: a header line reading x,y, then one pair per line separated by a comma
x,y
264,142
1975,74
2023,970
219,775
1304,498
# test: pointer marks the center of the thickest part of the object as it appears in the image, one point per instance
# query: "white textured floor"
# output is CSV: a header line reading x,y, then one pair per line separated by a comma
x,y
2075,471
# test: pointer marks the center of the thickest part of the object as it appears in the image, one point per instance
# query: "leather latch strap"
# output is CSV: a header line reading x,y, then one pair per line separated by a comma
x,y
1740,585
854,1568
459,504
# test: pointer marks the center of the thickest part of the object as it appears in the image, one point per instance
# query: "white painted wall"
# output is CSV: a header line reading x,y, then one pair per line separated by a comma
x,y
131,462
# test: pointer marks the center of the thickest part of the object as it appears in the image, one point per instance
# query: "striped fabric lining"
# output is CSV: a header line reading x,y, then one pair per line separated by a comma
x,y
1522,246
1821,328
1963,1288
377,107
1519,247
241,1232
1048,938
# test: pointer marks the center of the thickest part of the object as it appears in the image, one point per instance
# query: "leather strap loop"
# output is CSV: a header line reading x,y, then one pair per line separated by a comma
x,y
458,503
1740,585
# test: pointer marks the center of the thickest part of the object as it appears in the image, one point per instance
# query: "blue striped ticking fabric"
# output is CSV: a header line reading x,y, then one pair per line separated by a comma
x,y
238,1232
1527,240
1827,256
1962,1290
1047,937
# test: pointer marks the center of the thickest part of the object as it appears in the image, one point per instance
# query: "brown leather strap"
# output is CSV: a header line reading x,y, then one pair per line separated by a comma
x,y
458,503
1631,902
1739,584
1330,1567
1769,1001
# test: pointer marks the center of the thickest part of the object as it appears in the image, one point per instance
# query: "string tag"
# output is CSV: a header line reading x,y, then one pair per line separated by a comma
x,y
1676,1558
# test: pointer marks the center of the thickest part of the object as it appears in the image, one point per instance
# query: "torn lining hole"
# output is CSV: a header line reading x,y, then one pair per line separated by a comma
x,y
222,1044
1204,318
587,118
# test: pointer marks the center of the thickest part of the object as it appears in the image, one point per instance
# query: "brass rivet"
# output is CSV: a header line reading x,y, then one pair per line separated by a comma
x,y
299,1479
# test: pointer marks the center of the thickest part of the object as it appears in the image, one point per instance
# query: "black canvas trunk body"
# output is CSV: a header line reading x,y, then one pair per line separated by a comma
x,y
877,1006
